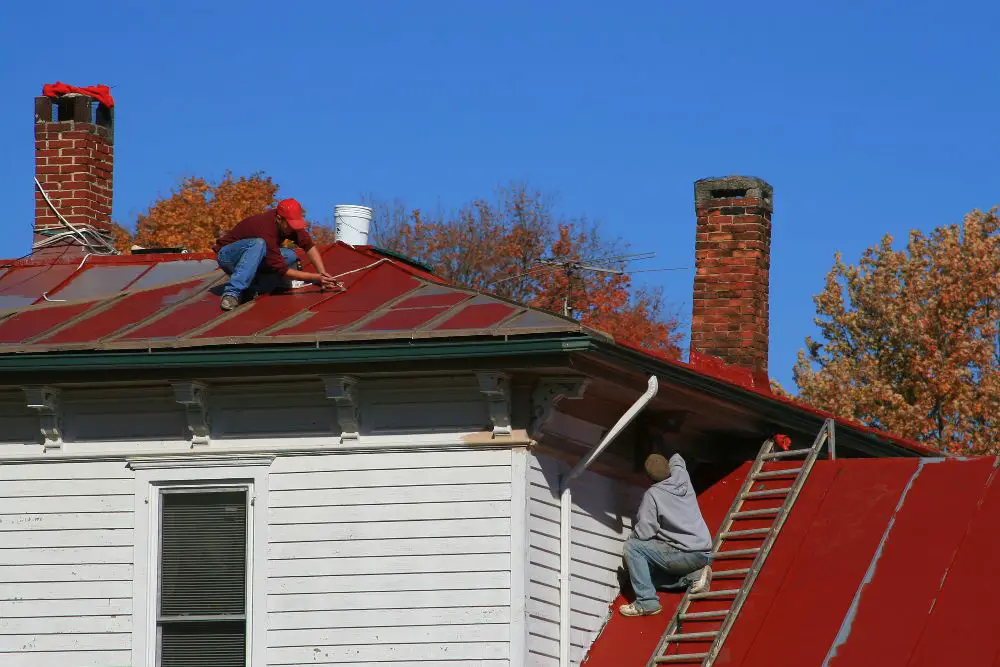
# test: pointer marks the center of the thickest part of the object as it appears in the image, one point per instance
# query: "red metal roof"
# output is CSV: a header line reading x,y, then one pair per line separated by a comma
x,y
160,301
885,562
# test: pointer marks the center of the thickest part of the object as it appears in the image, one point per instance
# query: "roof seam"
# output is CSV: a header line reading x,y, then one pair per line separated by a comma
x,y
218,320
844,631
309,313
517,312
138,277
199,291
383,309
100,306
447,313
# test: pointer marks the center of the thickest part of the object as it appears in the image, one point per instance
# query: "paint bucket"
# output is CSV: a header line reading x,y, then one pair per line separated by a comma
x,y
351,223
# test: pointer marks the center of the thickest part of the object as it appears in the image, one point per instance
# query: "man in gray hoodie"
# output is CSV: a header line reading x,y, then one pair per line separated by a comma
x,y
670,539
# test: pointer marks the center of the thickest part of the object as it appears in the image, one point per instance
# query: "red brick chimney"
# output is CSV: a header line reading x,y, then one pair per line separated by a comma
x,y
732,261
74,157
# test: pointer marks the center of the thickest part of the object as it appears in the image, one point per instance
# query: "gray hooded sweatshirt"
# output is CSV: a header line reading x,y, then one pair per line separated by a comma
x,y
669,512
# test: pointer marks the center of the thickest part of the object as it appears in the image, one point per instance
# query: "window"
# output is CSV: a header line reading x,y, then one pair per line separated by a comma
x,y
200,598
201,602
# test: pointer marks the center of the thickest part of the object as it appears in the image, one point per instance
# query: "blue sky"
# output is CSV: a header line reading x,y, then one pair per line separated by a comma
x,y
879,117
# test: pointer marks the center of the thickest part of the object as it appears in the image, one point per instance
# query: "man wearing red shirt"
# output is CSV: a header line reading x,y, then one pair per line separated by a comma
x,y
253,247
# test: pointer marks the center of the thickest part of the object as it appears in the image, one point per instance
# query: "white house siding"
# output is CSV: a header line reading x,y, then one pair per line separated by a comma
x,y
390,558
603,510
66,555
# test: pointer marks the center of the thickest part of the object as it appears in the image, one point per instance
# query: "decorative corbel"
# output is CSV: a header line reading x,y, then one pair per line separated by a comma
x,y
343,391
194,397
548,393
45,401
496,388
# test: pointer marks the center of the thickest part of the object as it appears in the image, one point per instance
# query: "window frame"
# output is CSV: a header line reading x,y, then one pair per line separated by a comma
x,y
197,474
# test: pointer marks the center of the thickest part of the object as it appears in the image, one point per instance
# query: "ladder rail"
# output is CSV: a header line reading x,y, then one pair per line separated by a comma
x,y
764,455
734,507
772,537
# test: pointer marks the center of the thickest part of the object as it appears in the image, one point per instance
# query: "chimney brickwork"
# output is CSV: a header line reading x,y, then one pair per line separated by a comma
x,y
74,159
732,263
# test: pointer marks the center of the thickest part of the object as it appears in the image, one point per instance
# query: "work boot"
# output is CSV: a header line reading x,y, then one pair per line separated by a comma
x,y
703,582
229,302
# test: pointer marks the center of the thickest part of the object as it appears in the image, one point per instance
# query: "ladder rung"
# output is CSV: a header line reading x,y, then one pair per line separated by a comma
x,y
778,473
755,513
736,552
713,594
769,493
745,533
785,455
680,657
690,636
698,615
724,574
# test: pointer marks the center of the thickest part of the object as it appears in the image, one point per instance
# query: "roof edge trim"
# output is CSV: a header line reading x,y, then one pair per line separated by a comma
x,y
875,443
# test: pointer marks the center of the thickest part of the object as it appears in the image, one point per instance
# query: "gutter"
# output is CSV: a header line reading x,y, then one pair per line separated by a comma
x,y
566,513
287,355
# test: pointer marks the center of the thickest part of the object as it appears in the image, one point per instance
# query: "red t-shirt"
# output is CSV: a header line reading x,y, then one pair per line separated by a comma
x,y
265,226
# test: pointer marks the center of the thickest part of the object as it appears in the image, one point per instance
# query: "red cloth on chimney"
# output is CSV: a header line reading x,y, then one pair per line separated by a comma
x,y
100,93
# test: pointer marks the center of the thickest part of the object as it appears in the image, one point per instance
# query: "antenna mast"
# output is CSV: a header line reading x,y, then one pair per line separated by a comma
x,y
572,268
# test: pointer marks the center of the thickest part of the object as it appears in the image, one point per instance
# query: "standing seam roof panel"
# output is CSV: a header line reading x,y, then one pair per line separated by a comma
x,y
964,626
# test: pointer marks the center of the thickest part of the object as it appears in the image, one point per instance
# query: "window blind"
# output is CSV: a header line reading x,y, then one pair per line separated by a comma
x,y
203,575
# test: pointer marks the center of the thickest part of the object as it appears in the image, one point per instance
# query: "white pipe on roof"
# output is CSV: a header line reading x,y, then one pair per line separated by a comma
x,y
566,512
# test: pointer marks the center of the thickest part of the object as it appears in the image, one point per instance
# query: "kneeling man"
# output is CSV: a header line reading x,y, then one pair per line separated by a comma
x,y
252,250
670,540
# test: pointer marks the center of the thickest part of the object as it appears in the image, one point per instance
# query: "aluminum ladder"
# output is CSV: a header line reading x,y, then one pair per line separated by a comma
x,y
670,648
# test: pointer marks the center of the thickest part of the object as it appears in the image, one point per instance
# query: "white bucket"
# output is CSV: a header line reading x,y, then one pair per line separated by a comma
x,y
351,223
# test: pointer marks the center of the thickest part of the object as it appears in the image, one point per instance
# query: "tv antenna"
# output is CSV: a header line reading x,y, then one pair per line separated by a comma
x,y
572,268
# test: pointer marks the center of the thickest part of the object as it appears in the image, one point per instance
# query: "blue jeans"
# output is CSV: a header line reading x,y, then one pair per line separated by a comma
x,y
241,260
652,563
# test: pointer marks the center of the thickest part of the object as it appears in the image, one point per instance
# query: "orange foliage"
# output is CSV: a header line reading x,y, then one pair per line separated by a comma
x,y
500,245
198,212
912,338
120,237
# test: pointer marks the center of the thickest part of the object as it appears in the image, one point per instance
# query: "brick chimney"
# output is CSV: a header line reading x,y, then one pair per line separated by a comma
x,y
74,157
732,260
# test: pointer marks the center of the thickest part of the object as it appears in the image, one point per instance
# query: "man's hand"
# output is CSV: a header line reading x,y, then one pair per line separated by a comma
x,y
327,281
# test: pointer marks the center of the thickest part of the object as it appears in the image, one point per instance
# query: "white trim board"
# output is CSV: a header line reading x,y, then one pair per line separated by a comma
x,y
245,447
519,557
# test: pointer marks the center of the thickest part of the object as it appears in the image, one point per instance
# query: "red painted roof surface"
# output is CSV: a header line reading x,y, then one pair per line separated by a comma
x,y
158,301
888,562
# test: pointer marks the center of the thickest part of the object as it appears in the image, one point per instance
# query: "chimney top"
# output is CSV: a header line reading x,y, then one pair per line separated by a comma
x,y
77,109
706,190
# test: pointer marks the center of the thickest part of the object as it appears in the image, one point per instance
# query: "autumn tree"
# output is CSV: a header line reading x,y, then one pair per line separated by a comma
x,y
198,211
516,246
911,338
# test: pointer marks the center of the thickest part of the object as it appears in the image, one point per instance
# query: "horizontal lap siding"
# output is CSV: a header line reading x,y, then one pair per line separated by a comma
x,y
390,558
602,519
66,564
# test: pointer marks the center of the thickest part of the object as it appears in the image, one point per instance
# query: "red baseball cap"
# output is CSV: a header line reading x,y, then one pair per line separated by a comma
x,y
291,210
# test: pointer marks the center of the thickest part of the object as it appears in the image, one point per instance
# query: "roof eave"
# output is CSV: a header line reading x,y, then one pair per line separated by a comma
x,y
781,413
392,351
